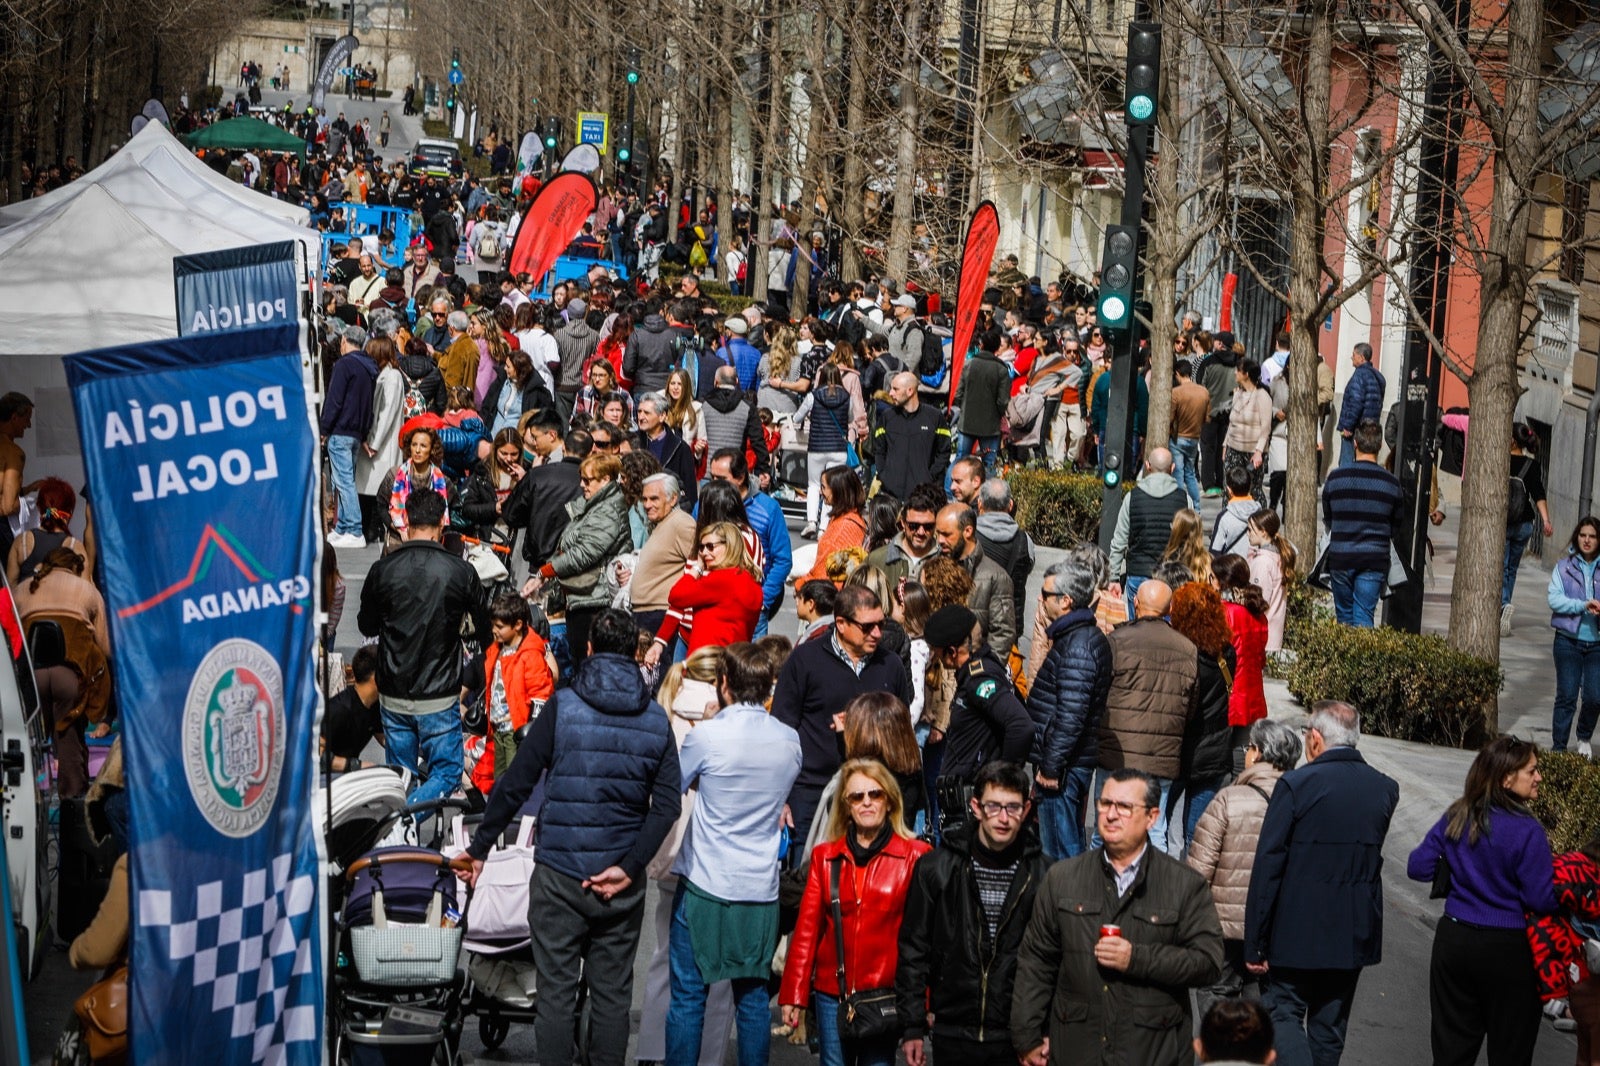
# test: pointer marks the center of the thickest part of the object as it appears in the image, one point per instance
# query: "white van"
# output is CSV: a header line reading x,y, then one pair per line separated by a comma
x,y
24,814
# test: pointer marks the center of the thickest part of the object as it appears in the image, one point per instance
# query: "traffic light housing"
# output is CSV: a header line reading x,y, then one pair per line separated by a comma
x,y
455,59
450,101
1143,81
552,133
625,144
633,66
1119,269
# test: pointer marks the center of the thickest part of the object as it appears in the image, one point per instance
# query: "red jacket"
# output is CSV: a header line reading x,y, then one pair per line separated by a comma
x,y
726,605
527,678
1247,702
872,901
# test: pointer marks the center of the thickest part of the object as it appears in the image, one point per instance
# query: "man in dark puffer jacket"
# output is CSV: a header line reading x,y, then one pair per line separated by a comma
x,y
611,796
1068,701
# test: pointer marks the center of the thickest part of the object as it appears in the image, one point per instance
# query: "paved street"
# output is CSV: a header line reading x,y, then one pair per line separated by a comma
x,y
404,129
1390,1018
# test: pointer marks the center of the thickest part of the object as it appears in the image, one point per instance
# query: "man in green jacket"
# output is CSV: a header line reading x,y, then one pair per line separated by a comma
x,y
982,395
1118,937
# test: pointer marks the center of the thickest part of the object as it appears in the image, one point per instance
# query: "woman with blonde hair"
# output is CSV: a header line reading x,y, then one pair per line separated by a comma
x,y
722,588
689,693
683,412
782,383
1187,545
865,865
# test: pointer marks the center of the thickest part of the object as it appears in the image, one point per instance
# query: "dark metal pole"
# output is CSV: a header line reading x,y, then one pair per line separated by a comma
x,y
1417,415
966,108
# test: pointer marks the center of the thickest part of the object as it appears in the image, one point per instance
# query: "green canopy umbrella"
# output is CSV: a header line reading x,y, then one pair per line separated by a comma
x,y
245,133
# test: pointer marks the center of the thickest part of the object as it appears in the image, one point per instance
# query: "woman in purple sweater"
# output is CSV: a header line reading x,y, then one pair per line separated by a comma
x,y
1481,980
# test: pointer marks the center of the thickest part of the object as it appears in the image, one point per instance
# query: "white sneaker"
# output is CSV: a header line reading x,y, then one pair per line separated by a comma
x,y
1505,619
1585,749
345,540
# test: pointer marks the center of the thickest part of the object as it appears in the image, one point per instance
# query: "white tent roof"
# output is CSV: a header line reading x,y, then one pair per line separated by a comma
x,y
90,265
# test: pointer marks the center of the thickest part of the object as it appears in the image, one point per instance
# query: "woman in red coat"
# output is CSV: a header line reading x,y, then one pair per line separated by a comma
x,y
723,590
867,841
1246,610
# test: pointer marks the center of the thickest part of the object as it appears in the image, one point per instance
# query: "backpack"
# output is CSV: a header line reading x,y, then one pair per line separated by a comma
x,y
1519,504
932,360
488,246
415,402
850,328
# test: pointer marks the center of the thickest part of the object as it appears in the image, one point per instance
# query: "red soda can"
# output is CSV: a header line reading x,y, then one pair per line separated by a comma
x,y
1110,930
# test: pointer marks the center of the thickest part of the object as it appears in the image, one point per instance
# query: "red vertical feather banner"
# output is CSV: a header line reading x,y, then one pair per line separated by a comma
x,y
554,218
983,235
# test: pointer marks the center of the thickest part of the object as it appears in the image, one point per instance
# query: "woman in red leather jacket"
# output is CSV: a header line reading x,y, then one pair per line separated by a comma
x,y
1246,611
867,837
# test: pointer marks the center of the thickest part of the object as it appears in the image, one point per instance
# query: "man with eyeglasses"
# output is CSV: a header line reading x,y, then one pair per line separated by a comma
x,y
911,444
1118,937
987,721
904,557
821,676
970,901
435,328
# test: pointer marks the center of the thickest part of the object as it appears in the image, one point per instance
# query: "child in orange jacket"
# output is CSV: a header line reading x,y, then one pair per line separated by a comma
x,y
519,669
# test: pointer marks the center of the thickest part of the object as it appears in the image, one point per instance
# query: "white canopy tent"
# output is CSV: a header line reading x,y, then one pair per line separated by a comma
x,y
90,265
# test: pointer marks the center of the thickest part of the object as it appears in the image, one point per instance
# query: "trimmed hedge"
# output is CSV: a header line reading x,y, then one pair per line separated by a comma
x,y
1406,686
1057,509
1569,799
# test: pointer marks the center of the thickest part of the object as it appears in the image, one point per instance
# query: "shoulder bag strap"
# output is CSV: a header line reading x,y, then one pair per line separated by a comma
x,y
1258,790
834,867
842,433
1227,675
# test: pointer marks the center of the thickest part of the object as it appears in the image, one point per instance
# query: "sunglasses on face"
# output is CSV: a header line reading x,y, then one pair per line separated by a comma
x,y
865,627
871,795
920,527
605,444
711,545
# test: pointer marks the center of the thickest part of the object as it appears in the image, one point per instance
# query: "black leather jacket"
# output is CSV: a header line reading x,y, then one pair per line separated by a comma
x,y
945,946
413,600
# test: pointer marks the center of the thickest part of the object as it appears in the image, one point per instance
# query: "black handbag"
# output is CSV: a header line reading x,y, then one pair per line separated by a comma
x,y
1443,882
863,1016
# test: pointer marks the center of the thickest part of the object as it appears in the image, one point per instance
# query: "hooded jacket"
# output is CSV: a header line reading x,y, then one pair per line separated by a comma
x,y
1230,536
576,342
347,411
1011,549
1068,699
1144,525
949,966
597,531
731,421
982,394
612,789
1216,374
648,360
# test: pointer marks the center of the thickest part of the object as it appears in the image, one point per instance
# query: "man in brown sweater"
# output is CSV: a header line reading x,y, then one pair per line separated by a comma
x,y
1153,695
1191,406
661,560
459,363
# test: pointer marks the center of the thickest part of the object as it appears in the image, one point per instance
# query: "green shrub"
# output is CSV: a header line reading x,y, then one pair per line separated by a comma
x,y
1406,686
1569,799
1057,509
206,96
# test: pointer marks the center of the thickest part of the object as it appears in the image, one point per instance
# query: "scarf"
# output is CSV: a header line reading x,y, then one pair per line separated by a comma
x,y
402,492
863,854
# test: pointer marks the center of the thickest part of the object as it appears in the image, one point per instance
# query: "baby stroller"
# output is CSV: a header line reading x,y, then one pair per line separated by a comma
x,y
501,985
395,987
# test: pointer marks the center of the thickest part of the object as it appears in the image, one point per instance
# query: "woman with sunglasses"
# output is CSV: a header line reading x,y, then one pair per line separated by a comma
x,y
597,532
723,589
870,853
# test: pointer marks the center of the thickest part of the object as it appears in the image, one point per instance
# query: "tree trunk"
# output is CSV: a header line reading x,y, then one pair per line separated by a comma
x,y
722,152
1305,258
867,49
1163,255
1492,392
905,157
800,292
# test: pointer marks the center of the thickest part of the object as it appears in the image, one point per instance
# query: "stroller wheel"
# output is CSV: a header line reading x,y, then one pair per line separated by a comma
x,y
492,1030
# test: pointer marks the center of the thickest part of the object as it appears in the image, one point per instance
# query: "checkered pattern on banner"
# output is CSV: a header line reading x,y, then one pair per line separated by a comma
x,y
245,947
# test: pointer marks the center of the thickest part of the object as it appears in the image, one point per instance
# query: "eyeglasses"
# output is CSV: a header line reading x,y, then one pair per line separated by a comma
x,y
440,314
1124,810
995,810
607,445
865,627
1048,595
920,527
590,480
871,795
1252,747
711,545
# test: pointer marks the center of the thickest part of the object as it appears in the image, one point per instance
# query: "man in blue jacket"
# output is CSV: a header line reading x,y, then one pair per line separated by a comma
x,y
610,767
346,421
766,518
1363,399
1068,700
1314,915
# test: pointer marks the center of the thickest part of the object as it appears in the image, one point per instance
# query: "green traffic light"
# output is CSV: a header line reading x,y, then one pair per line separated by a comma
x,y
633,77
1112,479
1141,107
1113,308
622,154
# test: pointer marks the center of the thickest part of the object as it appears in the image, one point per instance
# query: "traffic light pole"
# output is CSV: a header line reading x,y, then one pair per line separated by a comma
x,y
1120,267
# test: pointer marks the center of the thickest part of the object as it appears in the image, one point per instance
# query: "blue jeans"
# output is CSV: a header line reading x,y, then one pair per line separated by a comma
x,y
1061,815
1158,832
834,1053
1355,596
988,448
1310,1013
1200,793
342,460
1517,538
436,737
686,1019
1186,466
1130,588
1347,450
1577,668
